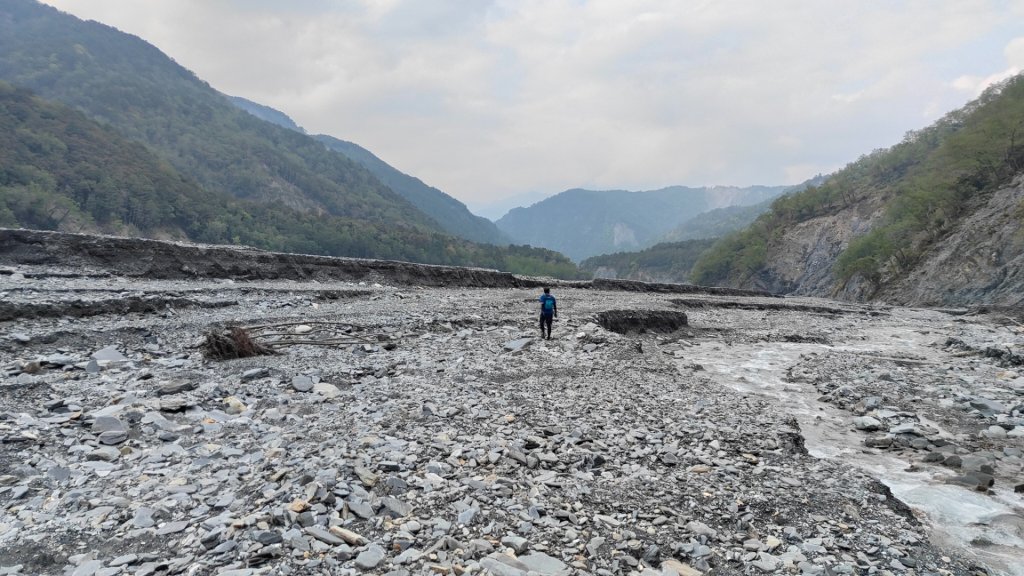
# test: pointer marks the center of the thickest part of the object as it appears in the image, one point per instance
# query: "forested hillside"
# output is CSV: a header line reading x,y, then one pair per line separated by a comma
x,y
121,80
62,171
664,262
247,181
893,213
266,113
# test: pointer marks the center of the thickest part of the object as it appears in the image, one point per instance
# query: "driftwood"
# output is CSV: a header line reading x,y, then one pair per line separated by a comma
x,y
234,343
247,341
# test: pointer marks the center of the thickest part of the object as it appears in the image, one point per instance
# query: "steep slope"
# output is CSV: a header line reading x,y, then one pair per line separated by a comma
x,y
981,261
62,171
121,80
582,223
449,213
933,220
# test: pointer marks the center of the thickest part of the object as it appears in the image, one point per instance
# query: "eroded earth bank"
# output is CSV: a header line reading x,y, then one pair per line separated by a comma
x,y
426,430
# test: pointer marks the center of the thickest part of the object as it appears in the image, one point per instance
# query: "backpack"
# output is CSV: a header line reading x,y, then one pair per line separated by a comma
x,y
547,303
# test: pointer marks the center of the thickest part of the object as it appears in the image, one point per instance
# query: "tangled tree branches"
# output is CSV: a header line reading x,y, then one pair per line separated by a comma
x,y
244,342
233,343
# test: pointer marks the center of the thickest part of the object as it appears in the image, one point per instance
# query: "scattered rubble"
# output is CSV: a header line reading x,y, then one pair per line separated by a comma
x,y
449,439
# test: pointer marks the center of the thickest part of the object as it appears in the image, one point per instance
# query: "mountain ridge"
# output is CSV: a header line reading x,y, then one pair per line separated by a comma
x,y
581,223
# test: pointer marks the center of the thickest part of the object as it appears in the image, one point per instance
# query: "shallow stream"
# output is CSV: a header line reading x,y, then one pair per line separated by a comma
x,y
988,527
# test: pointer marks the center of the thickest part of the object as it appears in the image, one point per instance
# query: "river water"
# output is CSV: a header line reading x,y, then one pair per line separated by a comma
x,y
987,527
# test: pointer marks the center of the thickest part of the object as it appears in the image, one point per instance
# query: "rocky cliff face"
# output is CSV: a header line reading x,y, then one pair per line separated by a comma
x,y
980,263
800,261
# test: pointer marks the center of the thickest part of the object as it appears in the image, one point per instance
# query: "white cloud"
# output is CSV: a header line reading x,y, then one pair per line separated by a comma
x,y
491,99
975,85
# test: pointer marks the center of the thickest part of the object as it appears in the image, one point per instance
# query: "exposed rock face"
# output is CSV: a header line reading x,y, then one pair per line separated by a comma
x,y
980,263
800,260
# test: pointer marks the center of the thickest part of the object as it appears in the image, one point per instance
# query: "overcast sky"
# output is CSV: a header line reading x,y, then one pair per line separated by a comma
x,y
490,99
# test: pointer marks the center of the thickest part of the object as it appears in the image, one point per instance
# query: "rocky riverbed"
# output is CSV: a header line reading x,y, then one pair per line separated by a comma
x,y
427,430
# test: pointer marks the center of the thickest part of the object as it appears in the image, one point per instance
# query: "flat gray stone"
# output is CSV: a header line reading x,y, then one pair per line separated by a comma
x,y
104,453
144,518
111,437
541,563
59,360
87,568
518,344
989,406
172,528
255,373
516,543
370,558
176,387
503,565
361,509
466,516
109,354
302,383
995,433
395,507
866,423
107,424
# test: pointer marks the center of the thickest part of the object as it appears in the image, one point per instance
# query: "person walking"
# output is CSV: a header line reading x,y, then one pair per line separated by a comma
x,y
548,311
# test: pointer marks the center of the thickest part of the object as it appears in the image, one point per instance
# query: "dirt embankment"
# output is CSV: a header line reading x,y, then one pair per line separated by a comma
x,y
162,260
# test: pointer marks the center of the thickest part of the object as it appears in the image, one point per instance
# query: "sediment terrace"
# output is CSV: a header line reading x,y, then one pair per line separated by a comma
x,y
93,255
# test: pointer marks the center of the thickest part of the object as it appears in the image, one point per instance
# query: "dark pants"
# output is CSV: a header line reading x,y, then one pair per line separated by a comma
x,y
546,319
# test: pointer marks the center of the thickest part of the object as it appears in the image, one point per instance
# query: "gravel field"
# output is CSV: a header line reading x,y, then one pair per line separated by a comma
x,y
411,430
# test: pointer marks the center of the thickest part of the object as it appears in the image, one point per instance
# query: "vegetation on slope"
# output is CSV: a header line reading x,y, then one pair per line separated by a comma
x,y
449,213
122,81
927,184
665,262
249,182
62,171
717,223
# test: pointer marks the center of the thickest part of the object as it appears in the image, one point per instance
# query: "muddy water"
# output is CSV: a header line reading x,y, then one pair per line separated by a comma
x,y
987,527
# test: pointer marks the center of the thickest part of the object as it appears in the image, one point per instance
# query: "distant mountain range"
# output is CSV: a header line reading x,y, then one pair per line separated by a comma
x,y
277,187
582,223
